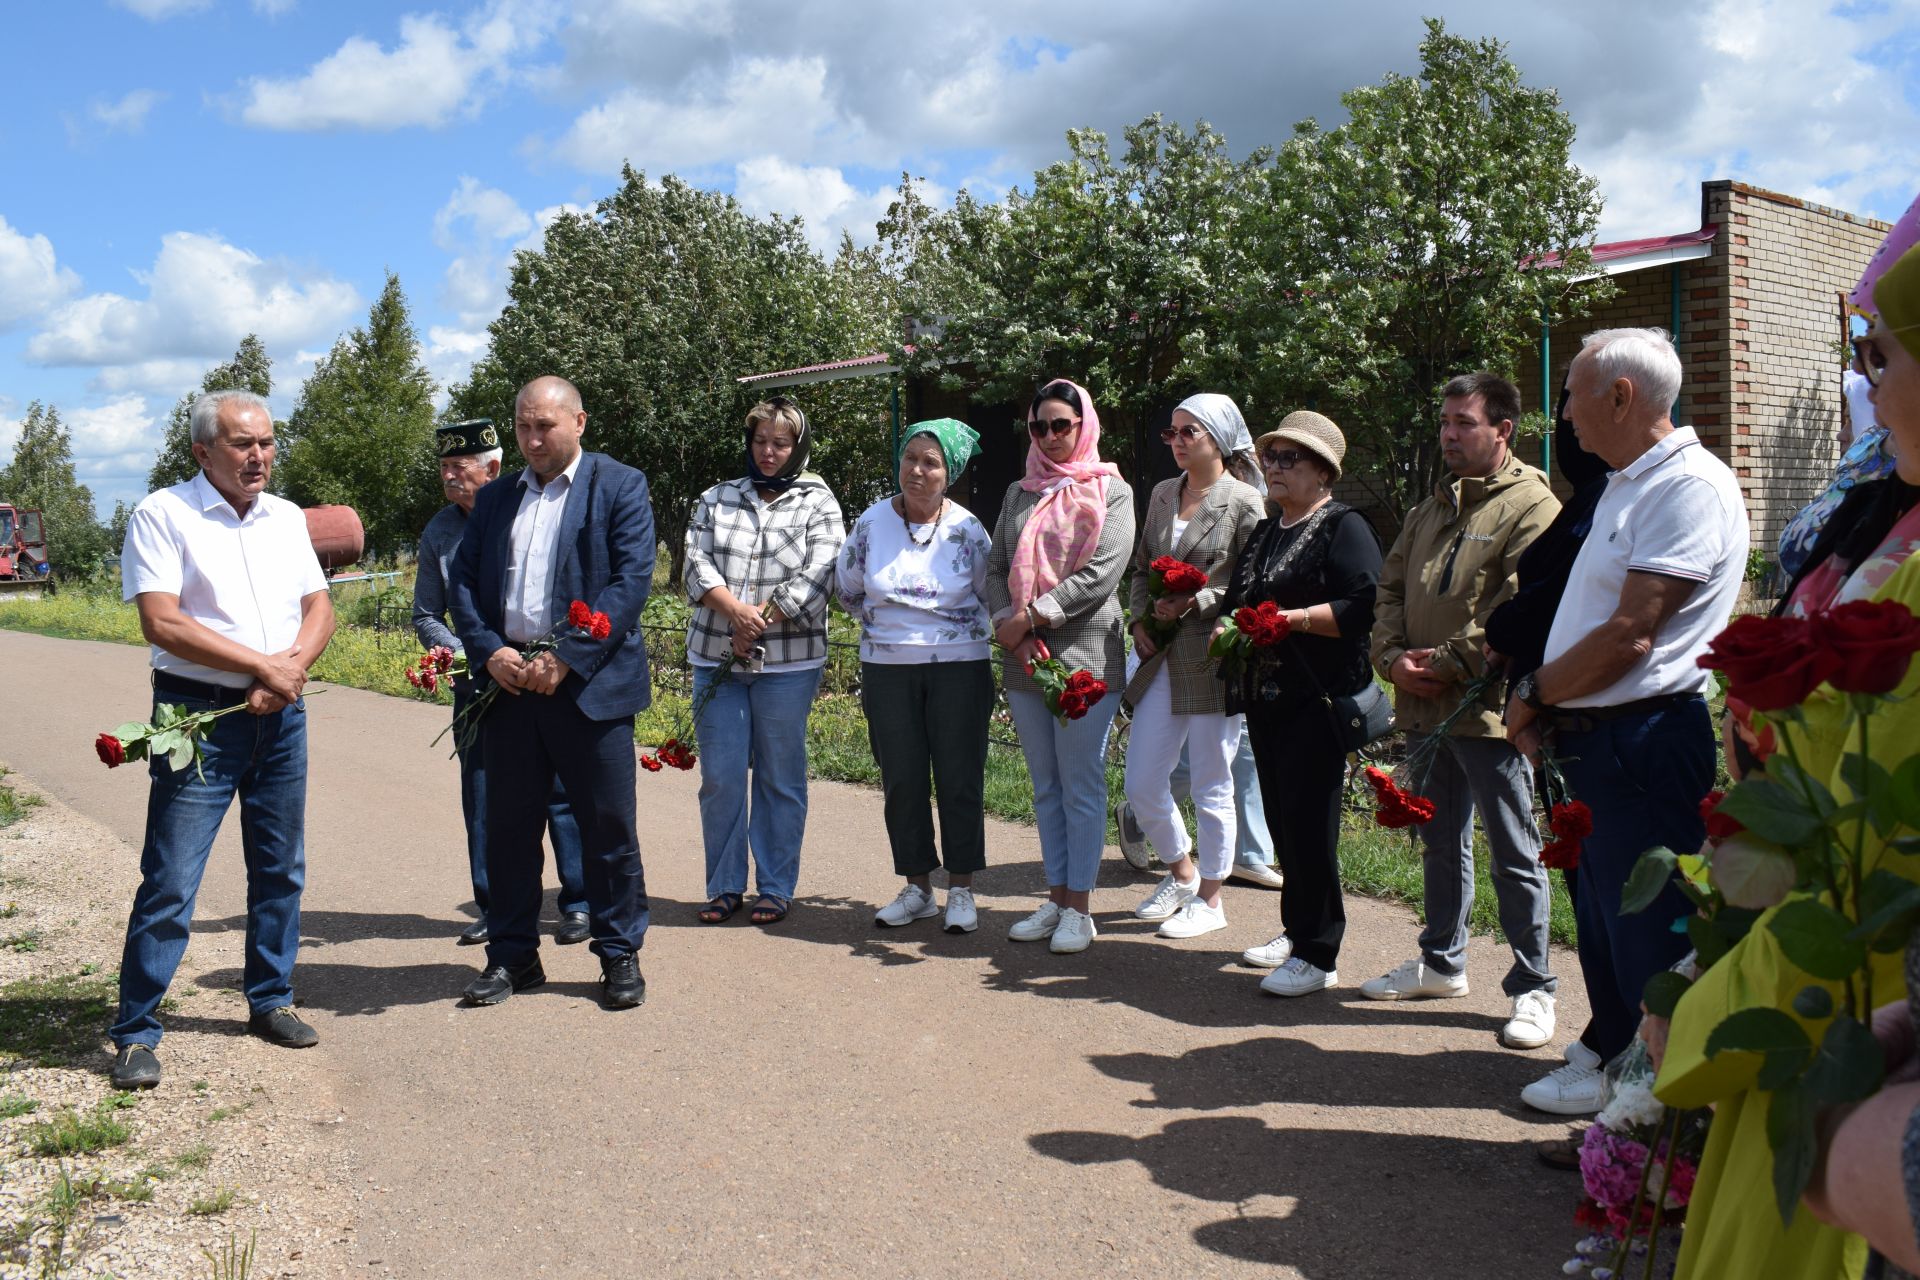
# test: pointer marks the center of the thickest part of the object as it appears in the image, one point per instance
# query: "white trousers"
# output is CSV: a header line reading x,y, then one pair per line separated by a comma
x,y
1153,749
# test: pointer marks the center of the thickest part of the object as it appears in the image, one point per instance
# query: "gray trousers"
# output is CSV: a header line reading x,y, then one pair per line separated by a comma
x,y
1486,774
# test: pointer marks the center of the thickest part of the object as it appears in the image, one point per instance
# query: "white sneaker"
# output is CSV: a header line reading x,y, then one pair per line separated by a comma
x,y
1268,955
1074,933
1577,1052
962,917
1168,898
1298,978
914,903
1257,873
1132,840
1532,1023
1415,981
1194,919
1577,1089
1040,924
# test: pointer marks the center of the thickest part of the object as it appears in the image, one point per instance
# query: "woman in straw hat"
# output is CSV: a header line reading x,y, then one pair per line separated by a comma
x,y
1319,561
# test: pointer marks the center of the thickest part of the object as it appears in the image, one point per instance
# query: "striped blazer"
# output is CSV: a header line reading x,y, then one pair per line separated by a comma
x,y
1092,632
1221,526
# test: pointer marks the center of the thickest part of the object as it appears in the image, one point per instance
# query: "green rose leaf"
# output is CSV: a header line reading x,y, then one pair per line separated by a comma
x,y
1848,1066
1708,943
1771,812
1904,791
1752,873
1888,903
1813,1003
1649,876
1663,992
1790,1134
181,754
1758,1031
129,732
1871,782
1797,782
1815,937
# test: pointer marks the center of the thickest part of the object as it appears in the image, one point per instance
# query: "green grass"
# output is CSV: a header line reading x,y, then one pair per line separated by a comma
x,y
1386,864
13,1105
69,1134
206,1206
233,1262
24,941
56,1021
197,1156
13,807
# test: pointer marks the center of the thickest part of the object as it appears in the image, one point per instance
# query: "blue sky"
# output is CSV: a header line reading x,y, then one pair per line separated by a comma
x,y
177,173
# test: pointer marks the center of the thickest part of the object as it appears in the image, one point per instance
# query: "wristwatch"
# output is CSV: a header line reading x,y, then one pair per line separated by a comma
x,y
1527,689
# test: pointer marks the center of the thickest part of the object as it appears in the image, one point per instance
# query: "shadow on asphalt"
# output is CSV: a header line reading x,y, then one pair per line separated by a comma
x,y
1365,1204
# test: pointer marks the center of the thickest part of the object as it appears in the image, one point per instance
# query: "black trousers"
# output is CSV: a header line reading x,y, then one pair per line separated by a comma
x,y
931,716
527,742
1301,767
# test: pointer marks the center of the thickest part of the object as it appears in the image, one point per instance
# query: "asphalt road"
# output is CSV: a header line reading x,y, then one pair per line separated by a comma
x,y
826,1098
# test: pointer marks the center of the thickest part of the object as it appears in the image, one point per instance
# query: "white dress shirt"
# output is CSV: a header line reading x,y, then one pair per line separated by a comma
x,y
242,577
535,534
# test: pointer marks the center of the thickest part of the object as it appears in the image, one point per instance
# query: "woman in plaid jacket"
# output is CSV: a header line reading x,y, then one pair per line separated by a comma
x,y
760,553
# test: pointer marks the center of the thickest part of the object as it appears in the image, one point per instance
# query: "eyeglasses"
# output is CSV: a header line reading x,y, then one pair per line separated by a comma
x,y
1191,432
1281,459
1873,361
1039,427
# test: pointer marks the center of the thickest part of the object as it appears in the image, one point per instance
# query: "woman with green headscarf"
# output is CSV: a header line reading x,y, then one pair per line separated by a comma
x,y
912,570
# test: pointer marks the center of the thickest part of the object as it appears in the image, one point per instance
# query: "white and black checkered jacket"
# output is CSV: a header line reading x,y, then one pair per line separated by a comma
x,y
781,551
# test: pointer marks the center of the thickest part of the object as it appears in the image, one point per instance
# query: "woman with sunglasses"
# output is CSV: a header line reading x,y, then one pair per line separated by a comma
x,y
1059,547
1319,561
760,553
1203,518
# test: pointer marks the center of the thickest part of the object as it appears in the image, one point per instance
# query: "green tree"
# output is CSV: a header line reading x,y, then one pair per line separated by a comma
x,y
251,369
117,526
1407,245
654,304
41,476
362,433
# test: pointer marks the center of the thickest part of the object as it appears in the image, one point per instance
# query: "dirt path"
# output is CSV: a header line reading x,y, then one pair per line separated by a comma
x,y
823,1099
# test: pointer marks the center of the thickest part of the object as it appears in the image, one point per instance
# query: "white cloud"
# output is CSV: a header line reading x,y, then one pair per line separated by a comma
x,y
482,227
274,8
160,10
433,75
449,355
203,296
10,419
821,196
120,426
31,279
128,113
169,378
490,213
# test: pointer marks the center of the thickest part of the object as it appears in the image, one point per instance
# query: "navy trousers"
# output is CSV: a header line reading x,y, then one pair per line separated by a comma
x,y
528,743
563,834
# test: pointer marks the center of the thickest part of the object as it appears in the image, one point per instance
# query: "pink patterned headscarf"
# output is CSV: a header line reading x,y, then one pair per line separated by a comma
x,y
1060,535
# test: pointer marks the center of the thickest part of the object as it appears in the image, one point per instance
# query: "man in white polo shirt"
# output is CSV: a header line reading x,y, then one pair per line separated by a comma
x,y
232,599
1620,697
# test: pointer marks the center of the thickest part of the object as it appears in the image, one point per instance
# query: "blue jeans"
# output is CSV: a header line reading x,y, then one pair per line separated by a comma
x,y
264,759
1068,763
1253,843
563,832
753,724
1644,777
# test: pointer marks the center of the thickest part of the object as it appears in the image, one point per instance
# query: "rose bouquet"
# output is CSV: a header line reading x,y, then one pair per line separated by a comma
x,y
581,623
1069,694
1169,576
1248,635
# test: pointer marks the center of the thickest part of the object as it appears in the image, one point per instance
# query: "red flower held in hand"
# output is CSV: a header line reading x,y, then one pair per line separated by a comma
x,y
1770,663
579,617
1719,825
1397,809
599,626
1177,577
1571,820
1264,625
1560,855
1871,644
110,750
650,764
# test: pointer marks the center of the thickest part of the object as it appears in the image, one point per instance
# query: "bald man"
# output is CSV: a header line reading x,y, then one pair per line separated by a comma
x,y
571,526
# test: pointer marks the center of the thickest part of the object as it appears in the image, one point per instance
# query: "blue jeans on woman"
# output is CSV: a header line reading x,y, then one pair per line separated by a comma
x,y
1068,763
753,723
264,759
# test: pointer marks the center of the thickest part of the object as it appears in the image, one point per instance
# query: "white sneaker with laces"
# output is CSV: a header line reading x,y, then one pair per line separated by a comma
x,y
1194,919
1532,1023
1257,873
1040,924
1075,932
1167,898
962,917
1577,1089
1414,981
914,903
1268,955
1298,978
1132,840
1577,1051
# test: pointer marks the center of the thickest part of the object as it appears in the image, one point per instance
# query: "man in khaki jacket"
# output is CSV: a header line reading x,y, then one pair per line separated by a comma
x,y
1453,562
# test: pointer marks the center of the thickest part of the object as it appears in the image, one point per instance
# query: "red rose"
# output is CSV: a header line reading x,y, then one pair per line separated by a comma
x,y
1770,663
579,617
1096,690
1719,825
1872,644
1164,565
1071,702
1081,681
111,751
1183,579
599,626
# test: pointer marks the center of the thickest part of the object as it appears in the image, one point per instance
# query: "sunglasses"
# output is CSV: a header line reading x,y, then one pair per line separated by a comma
x,y
1281,459
1041,427
1191,432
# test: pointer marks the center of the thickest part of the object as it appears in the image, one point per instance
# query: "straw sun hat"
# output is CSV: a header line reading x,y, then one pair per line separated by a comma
x,y
1311,431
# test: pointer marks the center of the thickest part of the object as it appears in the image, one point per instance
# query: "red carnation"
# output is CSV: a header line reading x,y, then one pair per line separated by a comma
x,y
110,750
579,617
1396,809
1719,825
650,763
1871,644
599,626
1561,855
1770,663
413,677
1571,820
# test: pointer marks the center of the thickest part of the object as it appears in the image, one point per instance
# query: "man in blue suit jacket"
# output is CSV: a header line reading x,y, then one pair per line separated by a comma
x,y
571,526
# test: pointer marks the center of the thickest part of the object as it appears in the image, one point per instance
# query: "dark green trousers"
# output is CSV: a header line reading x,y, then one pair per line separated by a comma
x,y
927,722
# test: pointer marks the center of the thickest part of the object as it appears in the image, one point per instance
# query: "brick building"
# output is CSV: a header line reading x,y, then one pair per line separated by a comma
x,y
1754,300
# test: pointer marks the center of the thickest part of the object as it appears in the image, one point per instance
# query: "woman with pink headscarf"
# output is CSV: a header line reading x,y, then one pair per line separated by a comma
x,y
1059,547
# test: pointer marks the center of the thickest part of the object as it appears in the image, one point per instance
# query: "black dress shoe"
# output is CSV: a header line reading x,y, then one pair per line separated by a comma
x,y
496,982
621,982
474,934
135,1067
283,1027
574,927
